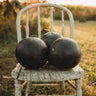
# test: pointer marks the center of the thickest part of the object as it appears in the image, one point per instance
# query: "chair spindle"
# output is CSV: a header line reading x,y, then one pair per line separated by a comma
x,y
51,19
27,25
63,29
39,26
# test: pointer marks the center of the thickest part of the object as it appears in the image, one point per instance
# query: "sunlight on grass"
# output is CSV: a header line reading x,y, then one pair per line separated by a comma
x,y
85,35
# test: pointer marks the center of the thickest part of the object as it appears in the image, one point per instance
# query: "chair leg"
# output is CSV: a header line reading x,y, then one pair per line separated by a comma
x,y
62,86
17,88
27,89
78,87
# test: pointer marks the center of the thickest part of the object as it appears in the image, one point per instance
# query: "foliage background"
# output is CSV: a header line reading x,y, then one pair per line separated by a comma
x,y
85,35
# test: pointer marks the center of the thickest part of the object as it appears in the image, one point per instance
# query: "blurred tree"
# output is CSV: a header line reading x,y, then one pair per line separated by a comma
x,y
43,1
31,1
9,7
16,3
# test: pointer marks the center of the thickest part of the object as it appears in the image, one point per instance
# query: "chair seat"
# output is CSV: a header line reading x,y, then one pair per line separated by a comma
x,y
46,75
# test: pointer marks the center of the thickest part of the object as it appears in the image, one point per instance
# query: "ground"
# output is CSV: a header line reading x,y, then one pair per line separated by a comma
x,y
85,36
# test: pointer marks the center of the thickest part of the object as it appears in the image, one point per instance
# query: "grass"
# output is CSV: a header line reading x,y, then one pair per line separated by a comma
x,y
84,34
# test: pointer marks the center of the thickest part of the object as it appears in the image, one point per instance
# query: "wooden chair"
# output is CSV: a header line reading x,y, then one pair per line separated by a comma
x,y
44,75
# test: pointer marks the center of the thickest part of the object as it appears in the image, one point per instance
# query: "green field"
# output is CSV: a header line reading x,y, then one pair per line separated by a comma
x,y
84,34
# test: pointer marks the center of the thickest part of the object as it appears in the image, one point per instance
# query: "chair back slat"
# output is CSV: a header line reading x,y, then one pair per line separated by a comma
x,y
71,28
18,27
51,19
71,24
39,25
63,29
18,21
27,25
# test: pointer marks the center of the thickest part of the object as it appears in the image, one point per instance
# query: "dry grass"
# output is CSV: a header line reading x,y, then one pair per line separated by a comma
x,y
85,35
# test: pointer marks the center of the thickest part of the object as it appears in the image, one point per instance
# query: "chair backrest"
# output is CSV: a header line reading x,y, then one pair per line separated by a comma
x,y
38,5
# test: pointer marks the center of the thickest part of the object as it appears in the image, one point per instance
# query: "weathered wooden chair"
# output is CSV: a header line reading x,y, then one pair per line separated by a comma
x,y
29,76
